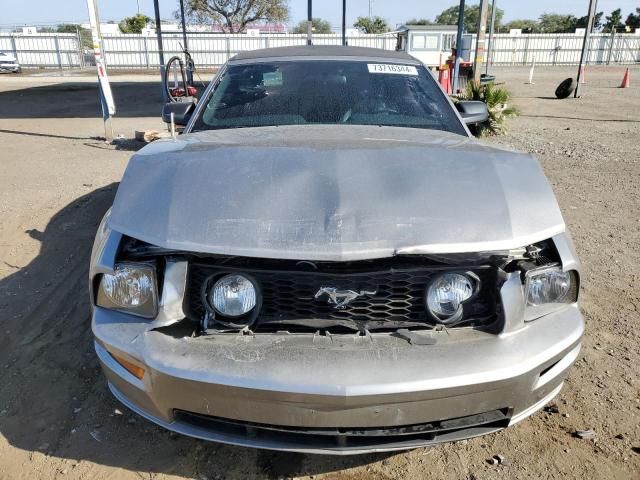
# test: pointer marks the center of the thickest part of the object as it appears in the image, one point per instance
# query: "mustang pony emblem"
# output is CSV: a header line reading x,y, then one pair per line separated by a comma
x,y
342,298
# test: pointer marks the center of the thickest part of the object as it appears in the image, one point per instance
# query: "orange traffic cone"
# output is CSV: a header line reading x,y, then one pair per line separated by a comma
x,y
626,80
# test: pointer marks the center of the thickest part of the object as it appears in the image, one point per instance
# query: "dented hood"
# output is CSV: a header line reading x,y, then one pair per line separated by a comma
x,y
333,193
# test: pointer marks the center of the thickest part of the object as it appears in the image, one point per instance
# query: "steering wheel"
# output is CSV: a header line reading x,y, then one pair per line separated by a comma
x,y
373,106
383,107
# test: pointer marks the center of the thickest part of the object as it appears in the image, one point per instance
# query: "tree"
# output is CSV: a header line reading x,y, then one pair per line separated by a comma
x,y
318,25
235,15
614,21
582,22
68,28
46,30
419,21
498,101
85,33
556,23
633,21
471,15
526,25
134,24
371,25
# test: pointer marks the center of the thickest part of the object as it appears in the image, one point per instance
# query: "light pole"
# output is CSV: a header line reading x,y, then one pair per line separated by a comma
x,y
184,26
585,45
156,8
456,67
344,22
491,31
480,40
104,88
309,22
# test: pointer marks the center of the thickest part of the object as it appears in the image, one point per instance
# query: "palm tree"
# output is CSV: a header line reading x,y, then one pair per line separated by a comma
x,y
497,100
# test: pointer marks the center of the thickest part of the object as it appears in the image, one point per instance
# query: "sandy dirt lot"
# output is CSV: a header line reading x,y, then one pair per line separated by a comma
x,y
57,419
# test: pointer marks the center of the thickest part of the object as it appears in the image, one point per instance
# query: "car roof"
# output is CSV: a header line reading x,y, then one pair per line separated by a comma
x,y
336,52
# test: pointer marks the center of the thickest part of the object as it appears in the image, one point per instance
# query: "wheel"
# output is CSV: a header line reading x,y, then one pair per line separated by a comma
x,y
566,88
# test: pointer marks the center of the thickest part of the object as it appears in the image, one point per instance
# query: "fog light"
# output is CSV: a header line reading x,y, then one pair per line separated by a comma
x,y
447,293
233,296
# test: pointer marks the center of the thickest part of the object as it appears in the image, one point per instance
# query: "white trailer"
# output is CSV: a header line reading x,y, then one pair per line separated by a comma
x,y
431,44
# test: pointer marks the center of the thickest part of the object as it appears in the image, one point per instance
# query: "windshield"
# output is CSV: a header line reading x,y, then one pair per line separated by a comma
x,y
327,92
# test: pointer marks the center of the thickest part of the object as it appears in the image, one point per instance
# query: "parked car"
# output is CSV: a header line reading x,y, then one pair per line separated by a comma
x,y
326,261
9,63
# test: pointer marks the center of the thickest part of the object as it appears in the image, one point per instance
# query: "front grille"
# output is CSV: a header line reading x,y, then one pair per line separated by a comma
x,y
289,295
339,438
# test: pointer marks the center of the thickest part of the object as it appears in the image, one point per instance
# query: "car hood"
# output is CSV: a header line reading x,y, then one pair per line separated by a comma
x,y
333,193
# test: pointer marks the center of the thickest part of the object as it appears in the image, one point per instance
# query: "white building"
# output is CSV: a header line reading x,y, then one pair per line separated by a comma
x,y
108,28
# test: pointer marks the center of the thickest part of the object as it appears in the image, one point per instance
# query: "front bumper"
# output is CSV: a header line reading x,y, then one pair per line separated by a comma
x,y
340,394
10,68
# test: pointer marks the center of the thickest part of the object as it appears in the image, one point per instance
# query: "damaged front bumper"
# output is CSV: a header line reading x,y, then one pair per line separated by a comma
x,y
337,394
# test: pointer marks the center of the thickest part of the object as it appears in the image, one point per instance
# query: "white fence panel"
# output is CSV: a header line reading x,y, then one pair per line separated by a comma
x,y
211,49
564,49
60,50
214,49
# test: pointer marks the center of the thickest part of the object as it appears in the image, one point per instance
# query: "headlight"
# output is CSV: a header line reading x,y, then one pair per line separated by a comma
x,y
233,296
548,289
447,293
130,289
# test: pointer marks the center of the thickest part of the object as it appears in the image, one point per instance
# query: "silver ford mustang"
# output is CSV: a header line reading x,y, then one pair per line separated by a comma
x,y
326,261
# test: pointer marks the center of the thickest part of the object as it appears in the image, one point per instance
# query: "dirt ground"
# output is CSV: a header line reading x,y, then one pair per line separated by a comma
x,y
57,419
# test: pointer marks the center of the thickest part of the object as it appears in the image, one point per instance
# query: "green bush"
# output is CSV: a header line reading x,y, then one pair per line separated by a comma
x,y
497,100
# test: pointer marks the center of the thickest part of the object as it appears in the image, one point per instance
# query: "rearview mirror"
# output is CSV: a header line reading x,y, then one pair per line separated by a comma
x,y
182,112
473,112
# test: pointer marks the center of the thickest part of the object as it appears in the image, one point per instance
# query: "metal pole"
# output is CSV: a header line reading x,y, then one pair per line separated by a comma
x,y
480,40
456,68
104,89
146,52
585,45
58,55
156,8
613,37
80,49
309,22
14,47
344,22
189,64
491,31
533,66
138,7
184,26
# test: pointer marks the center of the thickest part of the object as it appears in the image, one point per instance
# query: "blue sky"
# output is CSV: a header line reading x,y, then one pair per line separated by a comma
x,y
394,11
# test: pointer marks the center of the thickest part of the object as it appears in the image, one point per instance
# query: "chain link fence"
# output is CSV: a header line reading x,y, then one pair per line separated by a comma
x,y
61,50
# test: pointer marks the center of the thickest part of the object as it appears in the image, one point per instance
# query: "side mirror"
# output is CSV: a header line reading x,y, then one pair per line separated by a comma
x,y
473,112
182,112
